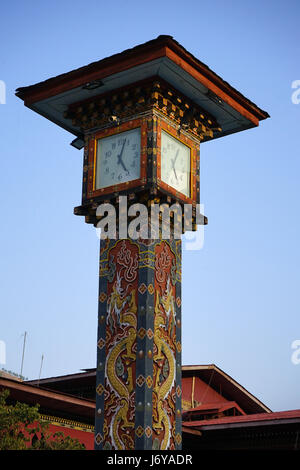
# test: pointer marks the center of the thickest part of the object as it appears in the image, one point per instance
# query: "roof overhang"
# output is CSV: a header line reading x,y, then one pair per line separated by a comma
x,y
49,399
278,418
162,57
231,389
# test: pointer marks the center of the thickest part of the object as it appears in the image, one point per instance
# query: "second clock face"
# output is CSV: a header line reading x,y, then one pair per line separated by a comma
x,y
118,158
175,163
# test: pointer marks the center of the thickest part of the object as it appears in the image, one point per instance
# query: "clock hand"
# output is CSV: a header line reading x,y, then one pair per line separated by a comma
x,y
176,156
175,172
173,163
120,161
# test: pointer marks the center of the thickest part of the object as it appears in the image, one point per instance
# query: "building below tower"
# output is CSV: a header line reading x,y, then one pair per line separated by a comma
x,y
218,413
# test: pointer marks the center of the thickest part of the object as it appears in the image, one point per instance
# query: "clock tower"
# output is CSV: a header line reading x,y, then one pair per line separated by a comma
x,y
141,117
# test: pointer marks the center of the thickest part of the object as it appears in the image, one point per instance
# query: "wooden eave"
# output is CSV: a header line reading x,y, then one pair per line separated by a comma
x,y
161,47
49,399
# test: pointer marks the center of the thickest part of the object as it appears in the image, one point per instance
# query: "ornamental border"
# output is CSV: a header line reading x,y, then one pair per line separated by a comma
x,y
67,423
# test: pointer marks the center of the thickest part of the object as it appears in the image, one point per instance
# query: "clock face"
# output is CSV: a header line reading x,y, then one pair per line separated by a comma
x,y
118,158
175,163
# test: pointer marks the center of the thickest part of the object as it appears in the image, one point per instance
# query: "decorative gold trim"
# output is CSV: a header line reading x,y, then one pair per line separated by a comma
x,y
67,423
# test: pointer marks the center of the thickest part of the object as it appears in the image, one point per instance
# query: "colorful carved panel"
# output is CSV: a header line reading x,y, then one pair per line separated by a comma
x,y
138,402
121,322
164,358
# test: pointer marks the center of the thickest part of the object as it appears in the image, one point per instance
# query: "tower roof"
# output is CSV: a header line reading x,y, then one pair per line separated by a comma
x,y
162,57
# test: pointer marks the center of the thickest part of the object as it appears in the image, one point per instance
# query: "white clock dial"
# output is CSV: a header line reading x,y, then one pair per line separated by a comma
x,y
118,158
175,163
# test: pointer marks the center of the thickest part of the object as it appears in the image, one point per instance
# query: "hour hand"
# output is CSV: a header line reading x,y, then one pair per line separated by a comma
x,y
174,171
120,161
173,164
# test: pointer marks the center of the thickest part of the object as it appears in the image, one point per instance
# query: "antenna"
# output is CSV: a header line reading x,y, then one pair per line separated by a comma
x,y
25,334
38,384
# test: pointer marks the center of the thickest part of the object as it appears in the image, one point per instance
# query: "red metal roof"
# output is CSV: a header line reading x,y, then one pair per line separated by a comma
x,y
262,418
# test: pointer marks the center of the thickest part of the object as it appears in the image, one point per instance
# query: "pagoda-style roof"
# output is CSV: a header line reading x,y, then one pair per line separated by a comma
x,y
162,57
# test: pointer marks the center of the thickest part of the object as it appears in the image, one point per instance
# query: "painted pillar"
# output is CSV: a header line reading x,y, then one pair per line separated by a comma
x,y
138,388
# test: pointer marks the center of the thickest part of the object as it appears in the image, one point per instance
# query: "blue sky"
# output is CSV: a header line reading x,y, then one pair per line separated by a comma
x,y
241,291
